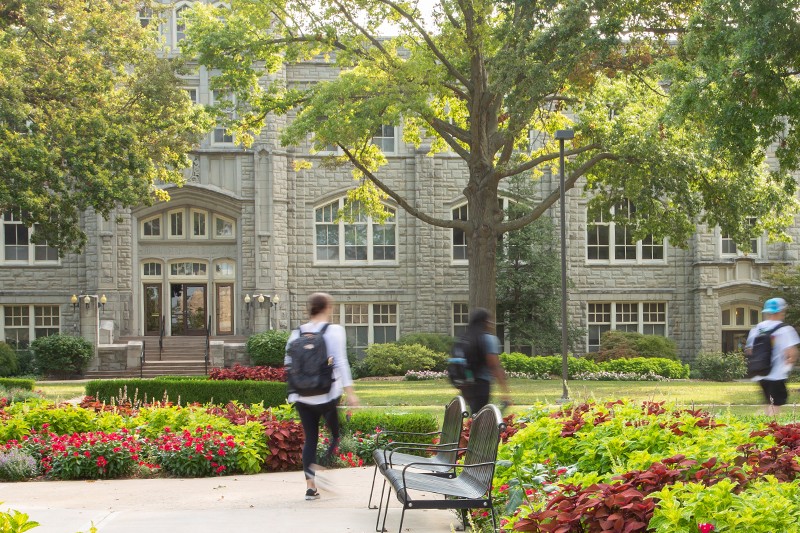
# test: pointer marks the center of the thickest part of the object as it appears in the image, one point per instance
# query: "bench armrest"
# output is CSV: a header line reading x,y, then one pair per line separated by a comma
x,y
451,465
387,453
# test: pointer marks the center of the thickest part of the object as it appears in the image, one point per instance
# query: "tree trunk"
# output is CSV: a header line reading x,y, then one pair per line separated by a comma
x,y
484,215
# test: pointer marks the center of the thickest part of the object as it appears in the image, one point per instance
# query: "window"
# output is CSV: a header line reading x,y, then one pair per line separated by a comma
x,y
176,224
460,319
188,269
151,269
18,330
385,139
223,269
191,92
459,236
180,25
361,240
224,228
151,227
366,324
226,103
737,320
199,224
728,247
648,318
610,241
145,16
17,244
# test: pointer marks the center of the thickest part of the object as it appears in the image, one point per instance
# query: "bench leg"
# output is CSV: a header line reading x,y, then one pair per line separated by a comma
x,y
402,515
374,475
386,511
380,506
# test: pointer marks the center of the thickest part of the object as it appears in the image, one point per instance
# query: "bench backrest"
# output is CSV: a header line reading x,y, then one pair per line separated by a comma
x,y
484,439
454,414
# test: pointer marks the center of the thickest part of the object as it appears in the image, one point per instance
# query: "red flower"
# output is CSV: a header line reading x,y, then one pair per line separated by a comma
x,y
705,527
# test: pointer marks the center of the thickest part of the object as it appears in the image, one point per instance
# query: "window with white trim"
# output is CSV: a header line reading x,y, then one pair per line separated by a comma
x,y
460,236
460,319
145,16
191,92
360,240
18,330
648,318
728,246
224,270
151,227
226,102
151,270
385,139
367,324
188,268
609,241
224,227
199,221
175,224
180,25
17,244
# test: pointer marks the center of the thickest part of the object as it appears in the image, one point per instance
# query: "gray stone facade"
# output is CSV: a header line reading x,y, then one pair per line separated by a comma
x,y
244,225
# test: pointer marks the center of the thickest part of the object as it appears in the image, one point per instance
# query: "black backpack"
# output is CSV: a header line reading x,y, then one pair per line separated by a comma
x,y
463,363
759,362
311,370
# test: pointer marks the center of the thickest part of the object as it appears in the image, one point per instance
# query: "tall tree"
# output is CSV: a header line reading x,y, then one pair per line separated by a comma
x,y
91,114
479,78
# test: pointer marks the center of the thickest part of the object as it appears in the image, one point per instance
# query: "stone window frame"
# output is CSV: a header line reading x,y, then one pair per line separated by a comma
x,y
176,13
728,248
638,249
751,316
395,138
602,316
219,217
152,263
221,276
31,250
191,276
195,98
361,321
460,318
330,209
144,221
223,95
25,317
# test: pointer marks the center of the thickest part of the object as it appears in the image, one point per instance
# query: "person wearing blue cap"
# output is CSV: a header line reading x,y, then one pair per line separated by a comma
x,y
783,340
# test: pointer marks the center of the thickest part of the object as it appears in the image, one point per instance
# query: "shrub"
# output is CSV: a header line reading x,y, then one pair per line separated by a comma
x,y
628,344
432,341
26,363
8,360
368,422
396,359
17,383
642,365
62,355
546,365
16,465
272,393
719,366
268,348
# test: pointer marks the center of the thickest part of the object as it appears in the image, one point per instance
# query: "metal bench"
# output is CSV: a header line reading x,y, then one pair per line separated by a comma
x,y
471,488
393,454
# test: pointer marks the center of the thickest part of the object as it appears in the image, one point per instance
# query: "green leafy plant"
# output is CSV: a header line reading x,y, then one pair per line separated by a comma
x,y
629,344
433,341
719,366
17,383
62,355
268,348
13,521
8,360
397,359
643,365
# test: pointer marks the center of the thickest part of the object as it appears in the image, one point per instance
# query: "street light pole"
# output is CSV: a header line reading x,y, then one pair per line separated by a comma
x,y
561,136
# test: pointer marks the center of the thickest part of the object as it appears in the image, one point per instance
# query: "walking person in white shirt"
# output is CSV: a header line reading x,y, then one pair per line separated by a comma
x,y
322,406
784,340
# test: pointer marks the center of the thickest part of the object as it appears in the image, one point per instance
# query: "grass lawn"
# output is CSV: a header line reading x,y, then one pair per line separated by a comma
x,y
430,396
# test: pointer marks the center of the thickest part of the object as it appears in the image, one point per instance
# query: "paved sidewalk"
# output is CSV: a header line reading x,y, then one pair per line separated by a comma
x,y
258,503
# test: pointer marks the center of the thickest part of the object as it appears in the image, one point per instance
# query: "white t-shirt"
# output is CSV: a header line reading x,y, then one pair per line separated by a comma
x,y
782,339
336,343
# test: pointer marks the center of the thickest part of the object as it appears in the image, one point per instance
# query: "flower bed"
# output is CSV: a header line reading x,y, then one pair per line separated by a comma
x,y
252,373
630,467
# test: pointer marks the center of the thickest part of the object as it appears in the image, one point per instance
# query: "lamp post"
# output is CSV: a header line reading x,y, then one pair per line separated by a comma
x,y
561,136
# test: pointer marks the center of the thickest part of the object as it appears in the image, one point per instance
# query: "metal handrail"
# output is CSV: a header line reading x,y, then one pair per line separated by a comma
x,y
161,340
208,342
142,360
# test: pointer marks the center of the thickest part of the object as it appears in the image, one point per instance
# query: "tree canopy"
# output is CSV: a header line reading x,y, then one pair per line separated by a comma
x,y
91,114
674,104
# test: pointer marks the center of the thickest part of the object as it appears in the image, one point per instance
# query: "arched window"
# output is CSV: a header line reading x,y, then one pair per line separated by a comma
x,y
737,320
359,240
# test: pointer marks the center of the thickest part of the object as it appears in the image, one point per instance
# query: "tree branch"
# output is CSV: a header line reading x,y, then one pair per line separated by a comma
x,y
542,159
553,197
413,211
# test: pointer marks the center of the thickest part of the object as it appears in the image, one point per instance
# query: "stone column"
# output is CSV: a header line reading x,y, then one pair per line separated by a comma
x,y
90,326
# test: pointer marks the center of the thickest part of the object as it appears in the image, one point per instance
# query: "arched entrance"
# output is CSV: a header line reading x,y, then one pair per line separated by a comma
x,y
737,321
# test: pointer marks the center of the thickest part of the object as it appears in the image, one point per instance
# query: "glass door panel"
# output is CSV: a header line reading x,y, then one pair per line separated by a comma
x,y
224,309
152,309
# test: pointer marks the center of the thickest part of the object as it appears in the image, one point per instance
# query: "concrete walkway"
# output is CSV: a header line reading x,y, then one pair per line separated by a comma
x,y
256,503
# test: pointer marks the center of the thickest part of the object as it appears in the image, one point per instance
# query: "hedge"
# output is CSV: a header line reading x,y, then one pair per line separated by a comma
x,y
191,391
366,422
17,383
551,365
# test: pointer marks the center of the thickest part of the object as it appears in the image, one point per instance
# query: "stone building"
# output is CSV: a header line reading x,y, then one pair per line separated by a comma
x,y
242,244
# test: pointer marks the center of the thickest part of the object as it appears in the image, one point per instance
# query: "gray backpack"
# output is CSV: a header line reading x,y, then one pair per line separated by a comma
x,y
311,370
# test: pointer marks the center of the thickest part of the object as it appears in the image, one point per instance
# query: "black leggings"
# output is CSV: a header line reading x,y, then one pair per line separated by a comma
x,y
477,395
309,417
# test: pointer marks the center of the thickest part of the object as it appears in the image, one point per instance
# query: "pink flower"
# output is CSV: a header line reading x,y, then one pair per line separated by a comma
x,y
705,527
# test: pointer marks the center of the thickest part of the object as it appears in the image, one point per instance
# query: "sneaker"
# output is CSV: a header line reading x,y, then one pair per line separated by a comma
x,y
321,478
312,494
